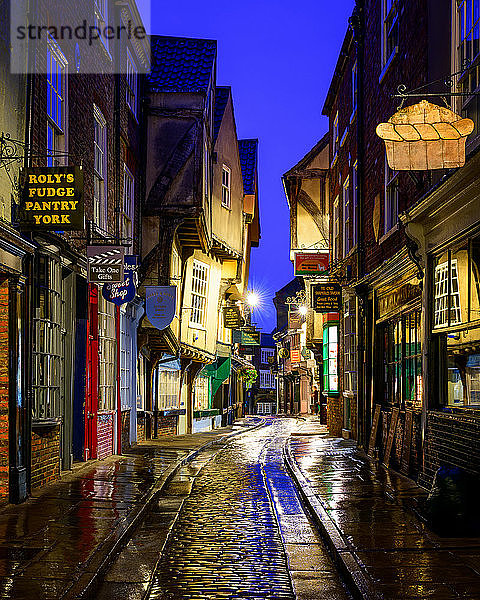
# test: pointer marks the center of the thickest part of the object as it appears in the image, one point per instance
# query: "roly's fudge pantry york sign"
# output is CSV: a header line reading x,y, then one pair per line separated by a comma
x,y
52,199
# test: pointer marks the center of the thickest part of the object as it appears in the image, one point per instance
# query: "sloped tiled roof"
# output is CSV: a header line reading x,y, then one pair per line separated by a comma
x,y
181,64
248,160
221,98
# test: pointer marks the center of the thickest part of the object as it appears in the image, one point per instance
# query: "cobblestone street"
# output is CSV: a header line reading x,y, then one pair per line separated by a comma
x,y
233,528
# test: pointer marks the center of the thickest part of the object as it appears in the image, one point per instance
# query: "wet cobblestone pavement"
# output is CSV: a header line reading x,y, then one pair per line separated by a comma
x,y
52,545
367,506
231,527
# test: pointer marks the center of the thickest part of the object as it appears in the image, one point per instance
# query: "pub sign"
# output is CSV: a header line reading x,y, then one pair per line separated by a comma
x,y
246,338
311,263
52,199
232,319
327,297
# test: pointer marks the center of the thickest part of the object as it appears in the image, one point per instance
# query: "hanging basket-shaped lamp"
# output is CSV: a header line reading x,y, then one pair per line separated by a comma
x,y
425,136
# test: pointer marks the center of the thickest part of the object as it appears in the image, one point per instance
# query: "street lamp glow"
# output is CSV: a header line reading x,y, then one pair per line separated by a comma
x,y
302,310
252,299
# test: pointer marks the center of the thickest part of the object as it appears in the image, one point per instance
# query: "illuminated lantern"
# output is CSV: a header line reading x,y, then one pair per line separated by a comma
x,y
425,136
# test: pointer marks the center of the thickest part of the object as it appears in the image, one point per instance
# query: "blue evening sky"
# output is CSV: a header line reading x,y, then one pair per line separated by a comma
x,y
278,56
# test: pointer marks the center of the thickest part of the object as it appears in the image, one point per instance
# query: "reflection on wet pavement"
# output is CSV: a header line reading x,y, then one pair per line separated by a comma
x,y
390,543
49,540
241,533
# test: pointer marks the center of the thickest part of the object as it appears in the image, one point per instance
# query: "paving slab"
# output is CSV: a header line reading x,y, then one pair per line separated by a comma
x,y
366,516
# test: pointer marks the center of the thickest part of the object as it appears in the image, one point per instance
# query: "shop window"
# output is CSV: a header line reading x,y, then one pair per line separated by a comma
x,y
350,347
330,359
201,393
264,408
403,360
48,339
107,351
168,388
464,379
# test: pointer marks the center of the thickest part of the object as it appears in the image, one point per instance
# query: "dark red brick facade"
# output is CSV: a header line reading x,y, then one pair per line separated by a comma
x,y
105,434
45,456
167,425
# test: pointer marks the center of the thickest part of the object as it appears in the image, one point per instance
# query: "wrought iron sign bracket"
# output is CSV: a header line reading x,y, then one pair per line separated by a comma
x,y
448,82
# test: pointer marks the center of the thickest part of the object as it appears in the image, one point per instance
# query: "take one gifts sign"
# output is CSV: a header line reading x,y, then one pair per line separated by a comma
x,y
120,293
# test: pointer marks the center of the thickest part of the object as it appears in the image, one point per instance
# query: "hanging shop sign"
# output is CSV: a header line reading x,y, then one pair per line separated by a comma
x,y
120,293
425,136
232,319
52,199
295,320
327,297
295,356
246,338
105,264
311,263
161,303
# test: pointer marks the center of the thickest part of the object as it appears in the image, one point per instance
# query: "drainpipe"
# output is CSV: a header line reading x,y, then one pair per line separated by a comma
x,y
118,198
358,25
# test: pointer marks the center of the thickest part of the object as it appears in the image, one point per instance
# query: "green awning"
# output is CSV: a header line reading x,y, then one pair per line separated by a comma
x,y
218,371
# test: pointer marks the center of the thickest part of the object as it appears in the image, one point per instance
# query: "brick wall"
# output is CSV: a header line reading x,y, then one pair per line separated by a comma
x,y
105,435
125,430
4,381
451,440
45,456
141,435
335,416
167,425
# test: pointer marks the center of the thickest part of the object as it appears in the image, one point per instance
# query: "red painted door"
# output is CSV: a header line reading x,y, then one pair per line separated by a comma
x,y
91,400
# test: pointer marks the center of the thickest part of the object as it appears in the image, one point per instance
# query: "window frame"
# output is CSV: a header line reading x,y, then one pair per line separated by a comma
x,y
131,84
354,202
107,355
266,379
48,322
391,199
127,214
226,187
445,303
56,119
336,228
100,178
199,301
390,27
346,203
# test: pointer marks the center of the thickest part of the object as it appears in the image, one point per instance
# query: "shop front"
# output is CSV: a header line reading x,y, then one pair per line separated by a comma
x,y
398,374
